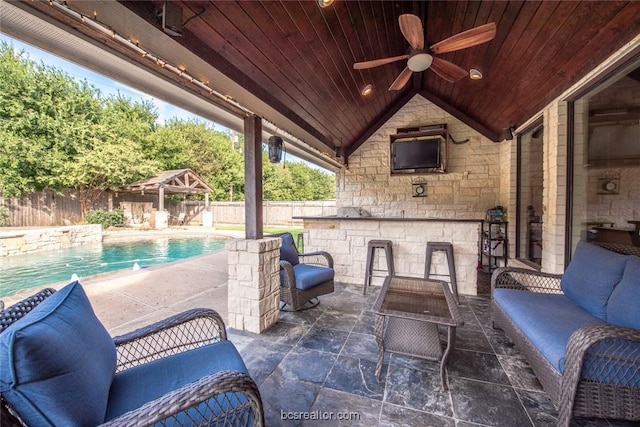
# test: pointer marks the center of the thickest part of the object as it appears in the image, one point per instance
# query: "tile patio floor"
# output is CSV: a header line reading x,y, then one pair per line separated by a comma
x,y
323,361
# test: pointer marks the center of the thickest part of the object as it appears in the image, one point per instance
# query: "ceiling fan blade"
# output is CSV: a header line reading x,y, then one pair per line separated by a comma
x,y
377,62
411,27
401,80
466,39
448,70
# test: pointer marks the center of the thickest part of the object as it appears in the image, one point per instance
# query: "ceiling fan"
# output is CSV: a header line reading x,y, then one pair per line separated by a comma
x,y
420,57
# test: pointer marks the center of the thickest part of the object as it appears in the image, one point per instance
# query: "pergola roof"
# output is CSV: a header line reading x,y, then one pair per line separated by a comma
x,y
179,181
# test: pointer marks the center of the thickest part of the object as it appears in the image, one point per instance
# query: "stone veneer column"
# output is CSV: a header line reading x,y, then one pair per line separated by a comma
x,y
254,283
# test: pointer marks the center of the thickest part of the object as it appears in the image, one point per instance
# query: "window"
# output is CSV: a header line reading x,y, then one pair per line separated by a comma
x,y
605,192
530,177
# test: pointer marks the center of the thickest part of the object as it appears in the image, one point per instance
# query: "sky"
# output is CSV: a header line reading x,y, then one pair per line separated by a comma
x,y
108,87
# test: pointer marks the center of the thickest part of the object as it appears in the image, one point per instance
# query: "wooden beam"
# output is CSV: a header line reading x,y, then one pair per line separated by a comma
x,y
382,119
253,177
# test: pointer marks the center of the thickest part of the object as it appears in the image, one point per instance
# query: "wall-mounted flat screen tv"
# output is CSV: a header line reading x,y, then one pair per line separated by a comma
x,y
415,154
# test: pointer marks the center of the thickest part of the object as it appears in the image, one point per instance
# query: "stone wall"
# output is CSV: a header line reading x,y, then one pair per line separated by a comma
x,y
476,172
346,240
253,284
554,192
17,242
477,179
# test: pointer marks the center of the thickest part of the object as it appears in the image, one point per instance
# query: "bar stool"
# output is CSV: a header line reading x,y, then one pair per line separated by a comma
x,y
388,253
448,250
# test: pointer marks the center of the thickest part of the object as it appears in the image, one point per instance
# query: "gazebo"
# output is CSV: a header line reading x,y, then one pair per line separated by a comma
x,y
178,181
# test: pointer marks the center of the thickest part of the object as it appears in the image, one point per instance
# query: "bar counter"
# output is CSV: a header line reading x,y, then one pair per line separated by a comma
x,y
384,219
346,238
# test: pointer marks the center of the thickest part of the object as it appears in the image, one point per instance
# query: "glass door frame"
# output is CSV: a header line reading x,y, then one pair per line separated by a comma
x,y
538,123
622,66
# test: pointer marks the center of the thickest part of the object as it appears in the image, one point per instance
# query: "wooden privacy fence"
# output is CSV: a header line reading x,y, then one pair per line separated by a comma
x,y
47,208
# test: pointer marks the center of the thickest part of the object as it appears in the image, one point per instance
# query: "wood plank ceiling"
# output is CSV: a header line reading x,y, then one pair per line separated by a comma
x,y
298,58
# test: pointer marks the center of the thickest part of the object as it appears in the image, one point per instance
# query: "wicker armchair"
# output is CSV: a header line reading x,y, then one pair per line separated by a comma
x,y
303,277
225,397
600,358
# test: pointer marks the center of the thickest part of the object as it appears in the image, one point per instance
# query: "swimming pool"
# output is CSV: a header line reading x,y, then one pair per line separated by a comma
x,y
37,269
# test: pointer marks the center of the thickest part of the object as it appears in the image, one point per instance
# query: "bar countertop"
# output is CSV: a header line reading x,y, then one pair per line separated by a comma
x,y
393,218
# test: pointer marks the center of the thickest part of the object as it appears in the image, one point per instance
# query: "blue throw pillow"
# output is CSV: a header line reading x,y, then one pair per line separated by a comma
x,y
288,251
623,308
591,276
58,362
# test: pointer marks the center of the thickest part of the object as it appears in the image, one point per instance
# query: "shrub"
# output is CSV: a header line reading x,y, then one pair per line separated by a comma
x,y
107,219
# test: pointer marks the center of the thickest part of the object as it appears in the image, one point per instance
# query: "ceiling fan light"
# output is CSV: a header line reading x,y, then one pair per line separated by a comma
x,y
419,62
367,90
475,74
325,3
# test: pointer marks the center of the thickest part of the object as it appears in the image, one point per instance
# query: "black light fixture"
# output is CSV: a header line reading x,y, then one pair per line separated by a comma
x,y
275,149
172,19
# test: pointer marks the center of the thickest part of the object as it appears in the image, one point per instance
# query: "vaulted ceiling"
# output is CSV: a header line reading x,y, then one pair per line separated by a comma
x,y
294,60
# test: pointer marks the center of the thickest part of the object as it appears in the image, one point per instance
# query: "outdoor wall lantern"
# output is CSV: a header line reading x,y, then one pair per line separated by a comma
x,y
275,149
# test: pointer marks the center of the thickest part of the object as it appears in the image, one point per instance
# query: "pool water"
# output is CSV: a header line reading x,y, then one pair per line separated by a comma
x,y
37,269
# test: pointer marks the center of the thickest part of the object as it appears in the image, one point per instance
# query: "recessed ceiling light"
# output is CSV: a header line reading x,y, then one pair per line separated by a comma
x,y
367,90
325,3
475,74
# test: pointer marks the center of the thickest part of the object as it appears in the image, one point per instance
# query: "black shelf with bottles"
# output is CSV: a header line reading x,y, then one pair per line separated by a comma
x,y
494,245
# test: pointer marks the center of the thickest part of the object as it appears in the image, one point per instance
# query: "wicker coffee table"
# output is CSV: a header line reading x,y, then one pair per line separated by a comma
x,y
408,311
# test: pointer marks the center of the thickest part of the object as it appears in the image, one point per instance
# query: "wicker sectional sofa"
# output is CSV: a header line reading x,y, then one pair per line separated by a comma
x,y
60,367
579,331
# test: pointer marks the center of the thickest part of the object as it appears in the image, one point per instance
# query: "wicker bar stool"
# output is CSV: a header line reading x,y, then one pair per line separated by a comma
x,y
448,250
385,245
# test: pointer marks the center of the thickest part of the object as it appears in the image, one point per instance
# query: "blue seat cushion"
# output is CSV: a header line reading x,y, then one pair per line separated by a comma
x,y
136,386
591,276
623,308
288,251
547,320
58,362
308,276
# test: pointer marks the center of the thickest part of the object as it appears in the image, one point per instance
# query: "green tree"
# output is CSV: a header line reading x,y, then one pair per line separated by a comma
x,y
18,163
45,116
277,182
115,155
58,133
295,181
310,183
109,163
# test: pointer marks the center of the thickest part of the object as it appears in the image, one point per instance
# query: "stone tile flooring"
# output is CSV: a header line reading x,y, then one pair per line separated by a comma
x,y
321,362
